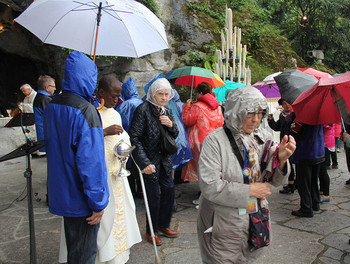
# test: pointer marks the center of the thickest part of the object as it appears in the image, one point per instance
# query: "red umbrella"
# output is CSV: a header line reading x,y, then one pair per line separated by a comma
x,y
316,106
316,73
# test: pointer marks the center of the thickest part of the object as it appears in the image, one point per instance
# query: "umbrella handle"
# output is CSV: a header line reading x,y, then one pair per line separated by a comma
x,y
101,105
157,259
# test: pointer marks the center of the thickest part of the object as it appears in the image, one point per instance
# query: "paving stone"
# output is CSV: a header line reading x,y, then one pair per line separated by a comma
x,y
329,260
333,253
338,241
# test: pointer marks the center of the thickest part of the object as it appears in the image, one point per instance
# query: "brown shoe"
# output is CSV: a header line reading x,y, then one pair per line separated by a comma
x,y
168,232
156,238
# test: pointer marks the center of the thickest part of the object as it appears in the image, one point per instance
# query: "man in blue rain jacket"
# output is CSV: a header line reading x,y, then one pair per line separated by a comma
x,y
77,176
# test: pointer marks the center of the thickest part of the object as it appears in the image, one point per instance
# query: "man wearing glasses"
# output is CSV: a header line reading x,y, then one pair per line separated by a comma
x,y
46,88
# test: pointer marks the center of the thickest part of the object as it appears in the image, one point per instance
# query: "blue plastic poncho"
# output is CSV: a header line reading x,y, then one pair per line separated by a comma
x,y
184,153
131,102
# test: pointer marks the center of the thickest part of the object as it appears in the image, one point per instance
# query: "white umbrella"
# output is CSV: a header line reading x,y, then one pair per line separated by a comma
x,y
124,28
271,77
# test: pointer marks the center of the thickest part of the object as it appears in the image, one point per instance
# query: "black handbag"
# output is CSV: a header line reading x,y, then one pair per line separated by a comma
x,y
167,142
259,225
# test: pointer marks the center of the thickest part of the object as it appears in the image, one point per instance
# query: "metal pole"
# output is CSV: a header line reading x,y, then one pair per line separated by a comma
x,y
97,28
157,259
28,175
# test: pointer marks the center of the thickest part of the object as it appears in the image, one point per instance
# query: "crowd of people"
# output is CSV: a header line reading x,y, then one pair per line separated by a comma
x,y
83,123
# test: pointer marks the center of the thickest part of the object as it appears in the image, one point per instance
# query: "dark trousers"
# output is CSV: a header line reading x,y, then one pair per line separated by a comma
x,y
307,182
134,178
160,196
81,239
329,155
292,173
347,154
324,177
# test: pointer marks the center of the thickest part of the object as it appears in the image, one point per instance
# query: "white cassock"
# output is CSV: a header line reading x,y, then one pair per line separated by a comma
x,y
119,229
28,102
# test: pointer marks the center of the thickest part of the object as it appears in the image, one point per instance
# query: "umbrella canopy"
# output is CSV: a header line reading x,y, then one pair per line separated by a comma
x,y
271,77
192,76
292,83
317,106
126,28
221,92
268,88
318,74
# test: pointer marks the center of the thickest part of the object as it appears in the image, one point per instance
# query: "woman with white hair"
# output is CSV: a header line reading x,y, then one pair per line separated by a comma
x,y
229,185
145,135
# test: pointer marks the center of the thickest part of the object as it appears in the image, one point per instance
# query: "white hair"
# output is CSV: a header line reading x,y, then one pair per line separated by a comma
x,y
26,86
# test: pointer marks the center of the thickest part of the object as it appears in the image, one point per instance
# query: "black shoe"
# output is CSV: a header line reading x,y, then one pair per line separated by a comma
x,y
289,189
347,182
316,207
300,213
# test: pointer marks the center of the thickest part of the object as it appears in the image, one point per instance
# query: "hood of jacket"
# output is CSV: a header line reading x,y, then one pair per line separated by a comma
x,y
129,90
80,75
210,100
239,103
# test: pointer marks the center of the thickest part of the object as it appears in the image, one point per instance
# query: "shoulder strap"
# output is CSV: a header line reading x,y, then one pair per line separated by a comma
x,y
234,146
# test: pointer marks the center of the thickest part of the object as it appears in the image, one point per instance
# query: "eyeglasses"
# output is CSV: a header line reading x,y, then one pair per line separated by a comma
x,y
259,114
54,86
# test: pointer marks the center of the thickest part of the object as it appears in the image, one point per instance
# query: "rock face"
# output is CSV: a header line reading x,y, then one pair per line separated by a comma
x,y
24,57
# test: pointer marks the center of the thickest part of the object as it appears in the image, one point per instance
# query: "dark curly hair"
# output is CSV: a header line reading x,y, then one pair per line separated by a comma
x,y
204,88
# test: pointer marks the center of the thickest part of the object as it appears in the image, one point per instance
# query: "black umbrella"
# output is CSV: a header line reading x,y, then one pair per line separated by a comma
x,y
292,83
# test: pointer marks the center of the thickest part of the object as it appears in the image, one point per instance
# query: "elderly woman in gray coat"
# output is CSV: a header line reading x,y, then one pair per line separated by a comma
x,y
222,222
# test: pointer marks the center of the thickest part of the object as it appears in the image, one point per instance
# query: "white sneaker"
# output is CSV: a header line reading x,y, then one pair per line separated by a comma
x,y
197,207
195,202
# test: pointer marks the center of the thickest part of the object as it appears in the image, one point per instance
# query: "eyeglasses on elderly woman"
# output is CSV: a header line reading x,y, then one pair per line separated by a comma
x,y
259,114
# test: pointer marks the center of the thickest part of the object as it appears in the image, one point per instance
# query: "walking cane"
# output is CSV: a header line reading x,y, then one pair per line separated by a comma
x,y
157,260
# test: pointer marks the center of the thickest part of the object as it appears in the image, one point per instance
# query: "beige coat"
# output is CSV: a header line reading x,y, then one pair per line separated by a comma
x,y
223,190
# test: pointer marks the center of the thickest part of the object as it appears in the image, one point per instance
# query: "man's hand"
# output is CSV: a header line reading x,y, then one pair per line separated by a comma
x,y
95,218
112,130
286,149
344,136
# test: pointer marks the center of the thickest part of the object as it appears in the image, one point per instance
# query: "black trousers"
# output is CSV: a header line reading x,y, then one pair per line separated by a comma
x,y
329,155
160,196
347,154
324,177
307,182
81,240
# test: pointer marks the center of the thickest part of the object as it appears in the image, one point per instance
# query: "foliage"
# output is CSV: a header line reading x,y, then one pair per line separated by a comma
x,y
265,43
314,24
151,4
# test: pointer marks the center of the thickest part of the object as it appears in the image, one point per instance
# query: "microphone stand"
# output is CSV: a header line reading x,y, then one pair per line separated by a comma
x,y
28,175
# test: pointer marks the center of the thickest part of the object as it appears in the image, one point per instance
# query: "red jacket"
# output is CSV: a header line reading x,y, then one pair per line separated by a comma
x,y
201,118
328,134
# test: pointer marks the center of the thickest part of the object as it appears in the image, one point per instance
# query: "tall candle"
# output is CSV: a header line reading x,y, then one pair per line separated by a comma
x,y
231,74
222,42
230,27
227,59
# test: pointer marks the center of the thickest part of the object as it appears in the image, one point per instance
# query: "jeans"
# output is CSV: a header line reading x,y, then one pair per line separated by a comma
x,y
161,201
81,239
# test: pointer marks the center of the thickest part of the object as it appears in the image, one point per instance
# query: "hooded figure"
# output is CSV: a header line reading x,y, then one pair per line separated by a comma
x,y
76,168
131,101
201,118
223,223
157,168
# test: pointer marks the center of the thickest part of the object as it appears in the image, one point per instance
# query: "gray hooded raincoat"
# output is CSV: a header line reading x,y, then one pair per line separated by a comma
x,y
221,183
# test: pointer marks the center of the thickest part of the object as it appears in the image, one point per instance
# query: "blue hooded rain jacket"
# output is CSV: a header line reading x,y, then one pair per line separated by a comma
x,y
76,169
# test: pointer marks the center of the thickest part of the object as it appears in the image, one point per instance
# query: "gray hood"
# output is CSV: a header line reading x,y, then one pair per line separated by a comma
x,y
239,103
